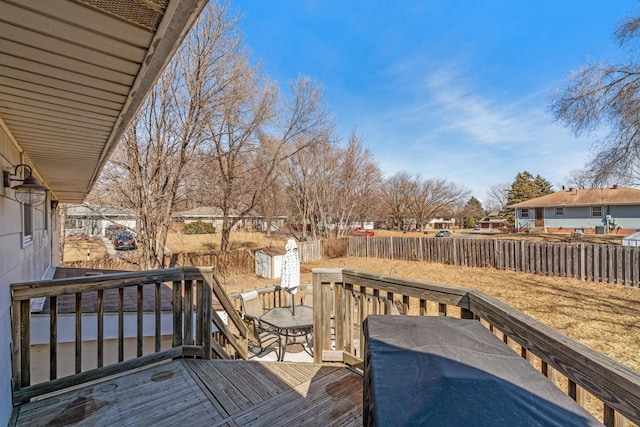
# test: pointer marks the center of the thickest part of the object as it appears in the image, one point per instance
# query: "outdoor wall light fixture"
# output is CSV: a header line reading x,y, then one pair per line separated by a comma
x,y
30,191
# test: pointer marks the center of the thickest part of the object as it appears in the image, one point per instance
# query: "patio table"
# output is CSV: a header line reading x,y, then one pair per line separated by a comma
x,y
445,371
287,325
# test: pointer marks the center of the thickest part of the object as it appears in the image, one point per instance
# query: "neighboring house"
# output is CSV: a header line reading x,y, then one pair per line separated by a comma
x,y
74,72
215,216
492,222
97,220
600,210
363,225
441,223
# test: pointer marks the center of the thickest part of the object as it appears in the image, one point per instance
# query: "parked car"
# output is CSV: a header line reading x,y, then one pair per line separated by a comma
x,y
360,232
443,233
477,227
125,240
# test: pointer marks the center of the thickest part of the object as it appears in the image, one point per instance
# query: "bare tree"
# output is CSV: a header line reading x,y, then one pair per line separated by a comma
x,y
498,195
252,135
355,182
366,183
606,96
580,178
307,175
435,197
396,196
146,171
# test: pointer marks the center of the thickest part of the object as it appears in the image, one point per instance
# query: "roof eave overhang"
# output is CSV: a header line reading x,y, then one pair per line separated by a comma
x,y
576,205
176,22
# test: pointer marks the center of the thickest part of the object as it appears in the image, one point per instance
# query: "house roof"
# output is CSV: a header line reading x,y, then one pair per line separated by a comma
x,y
213,212
90,211
273,251
73,74
582,197
204,211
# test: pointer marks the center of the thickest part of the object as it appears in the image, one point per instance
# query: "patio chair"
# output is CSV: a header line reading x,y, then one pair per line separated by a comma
x,y
308,296
259,335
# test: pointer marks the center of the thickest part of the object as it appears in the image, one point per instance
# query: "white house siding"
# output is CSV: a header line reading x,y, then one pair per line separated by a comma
x,y
17,264
66,341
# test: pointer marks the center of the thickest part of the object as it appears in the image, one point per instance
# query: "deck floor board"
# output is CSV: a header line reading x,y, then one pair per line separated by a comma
x,y
208,392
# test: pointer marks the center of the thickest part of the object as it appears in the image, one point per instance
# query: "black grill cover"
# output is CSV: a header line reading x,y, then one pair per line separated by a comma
x,y
442,371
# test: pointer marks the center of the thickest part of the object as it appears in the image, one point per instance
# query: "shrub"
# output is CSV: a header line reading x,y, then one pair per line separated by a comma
x,y
469,222
198,227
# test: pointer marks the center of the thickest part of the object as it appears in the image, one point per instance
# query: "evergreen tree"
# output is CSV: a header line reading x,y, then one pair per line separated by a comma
x,y
472,213
526,187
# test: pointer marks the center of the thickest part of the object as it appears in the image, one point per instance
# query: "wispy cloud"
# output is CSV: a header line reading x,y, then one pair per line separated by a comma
x,y
450,128
460,107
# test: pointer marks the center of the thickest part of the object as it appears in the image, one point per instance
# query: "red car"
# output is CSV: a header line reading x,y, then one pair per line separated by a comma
x,y
360,232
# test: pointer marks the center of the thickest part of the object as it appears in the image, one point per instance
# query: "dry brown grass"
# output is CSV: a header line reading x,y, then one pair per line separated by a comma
x,y
76,250
206,243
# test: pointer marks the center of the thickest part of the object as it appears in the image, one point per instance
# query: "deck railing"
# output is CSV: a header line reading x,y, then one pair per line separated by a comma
x,y
344,298
194,321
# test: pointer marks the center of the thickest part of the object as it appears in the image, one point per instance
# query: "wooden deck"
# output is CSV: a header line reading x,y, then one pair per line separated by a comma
x,y
208,392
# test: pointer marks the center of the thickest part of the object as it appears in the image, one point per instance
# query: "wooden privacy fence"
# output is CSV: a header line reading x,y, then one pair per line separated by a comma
x,y
317,250
585,261
342,300
310,251
226,264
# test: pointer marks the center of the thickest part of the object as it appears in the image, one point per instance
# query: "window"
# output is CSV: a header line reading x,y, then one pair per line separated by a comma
x,y
74,223
524,213
27,224
559,211
596,211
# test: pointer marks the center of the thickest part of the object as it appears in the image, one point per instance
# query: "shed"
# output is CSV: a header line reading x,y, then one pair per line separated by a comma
x,y
268,262
632,239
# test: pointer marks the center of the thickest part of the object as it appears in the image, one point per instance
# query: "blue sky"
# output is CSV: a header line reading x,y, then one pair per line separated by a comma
x,y
448,89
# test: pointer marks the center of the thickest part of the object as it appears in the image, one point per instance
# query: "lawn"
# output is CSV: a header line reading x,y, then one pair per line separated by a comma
x,y
81,249
206,243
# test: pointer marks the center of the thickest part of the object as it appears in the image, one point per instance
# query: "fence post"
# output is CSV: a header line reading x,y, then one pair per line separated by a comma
x,y
454,252
582,262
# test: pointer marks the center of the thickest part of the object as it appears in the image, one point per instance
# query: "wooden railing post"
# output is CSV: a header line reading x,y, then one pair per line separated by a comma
x,y
24,343
206,310
78,346
323,306
177,313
